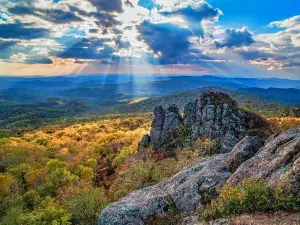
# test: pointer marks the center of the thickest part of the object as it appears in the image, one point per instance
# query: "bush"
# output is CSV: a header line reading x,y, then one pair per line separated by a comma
x,y
255,195
86,206
284,200
252,196
49,212
137,174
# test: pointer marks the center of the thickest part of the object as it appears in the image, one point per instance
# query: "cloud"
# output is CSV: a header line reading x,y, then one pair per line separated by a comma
x,y
39,61
255,55
236,38
167,40
121,43
291,64
290,22
22,31
290,36
6,44
88,49
52,15
108,5
194,13
93,31
101,18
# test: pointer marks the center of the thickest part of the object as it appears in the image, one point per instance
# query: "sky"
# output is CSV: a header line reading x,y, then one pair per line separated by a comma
x,y
257,38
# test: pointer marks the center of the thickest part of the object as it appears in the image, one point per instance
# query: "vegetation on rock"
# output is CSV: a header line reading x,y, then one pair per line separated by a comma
x,y
253,195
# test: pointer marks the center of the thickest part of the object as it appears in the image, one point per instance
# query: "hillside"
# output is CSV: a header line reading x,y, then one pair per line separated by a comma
x,y
287,96
262,106
67,174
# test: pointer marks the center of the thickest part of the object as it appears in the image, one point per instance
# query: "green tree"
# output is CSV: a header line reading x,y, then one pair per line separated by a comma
x,y
86,206
49,212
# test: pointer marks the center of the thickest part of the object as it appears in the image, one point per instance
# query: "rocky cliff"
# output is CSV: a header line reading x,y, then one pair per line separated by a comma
x,y
216,116
213,115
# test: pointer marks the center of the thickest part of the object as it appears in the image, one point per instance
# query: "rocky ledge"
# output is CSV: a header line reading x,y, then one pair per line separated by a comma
x,y
278,162
186,191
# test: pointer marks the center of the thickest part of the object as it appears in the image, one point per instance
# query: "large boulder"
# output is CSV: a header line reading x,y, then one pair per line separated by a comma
x,y
278,162
186,191
243,151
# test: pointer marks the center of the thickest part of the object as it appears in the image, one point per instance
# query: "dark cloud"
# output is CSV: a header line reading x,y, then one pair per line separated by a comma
x,y
291,64
21,31
52,15
195,14
104,19
255,55
236,38
6,44
167,39
108,5
121,43
128,3
88,49
39,61
59,16
93,31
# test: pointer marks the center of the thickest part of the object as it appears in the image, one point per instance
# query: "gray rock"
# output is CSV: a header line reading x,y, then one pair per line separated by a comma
x,y
157,125
144,143
186,191
214,115
191,220
164,129
293,112
243,151
278,161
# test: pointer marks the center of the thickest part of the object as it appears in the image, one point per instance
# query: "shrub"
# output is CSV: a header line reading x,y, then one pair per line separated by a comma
x,y
49,212
86,206
136,174
230,200
284,200
253,195
205,146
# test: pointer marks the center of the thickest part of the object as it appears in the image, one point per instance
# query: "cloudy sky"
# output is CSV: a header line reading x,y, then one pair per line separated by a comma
x,y
257,38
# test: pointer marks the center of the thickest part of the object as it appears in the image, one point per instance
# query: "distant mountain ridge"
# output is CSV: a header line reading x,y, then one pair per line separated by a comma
x,y
289,96
111,89
258,104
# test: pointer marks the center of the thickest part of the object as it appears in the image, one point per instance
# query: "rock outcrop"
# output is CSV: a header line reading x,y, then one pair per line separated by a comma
x,y
214,115
278,162
186,191
293,112
164,129
243,151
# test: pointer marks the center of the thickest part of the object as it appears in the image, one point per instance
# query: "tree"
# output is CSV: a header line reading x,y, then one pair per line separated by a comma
x,y
86,206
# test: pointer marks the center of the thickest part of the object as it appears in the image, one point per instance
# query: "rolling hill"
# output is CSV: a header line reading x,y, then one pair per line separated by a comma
x,y
260,105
